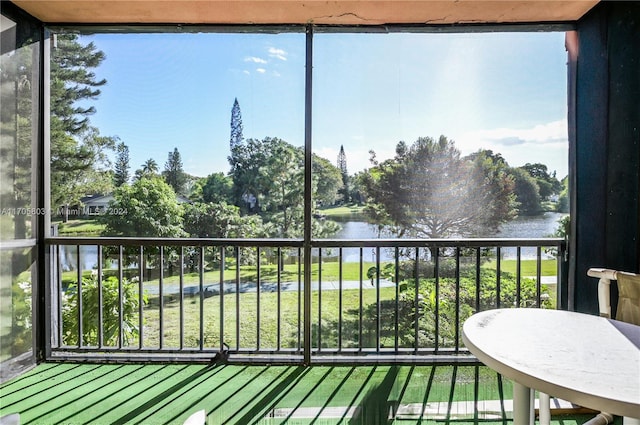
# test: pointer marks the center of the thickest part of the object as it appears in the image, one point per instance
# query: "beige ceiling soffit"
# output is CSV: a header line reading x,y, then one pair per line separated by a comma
x,y
371,12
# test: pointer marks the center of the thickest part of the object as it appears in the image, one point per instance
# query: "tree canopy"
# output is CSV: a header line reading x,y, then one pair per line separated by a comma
x,y
148,207
527,192
220,220
345,190
216,188
78,155
548,184
174,173
428,190
268,179
121,166
236,136
327,181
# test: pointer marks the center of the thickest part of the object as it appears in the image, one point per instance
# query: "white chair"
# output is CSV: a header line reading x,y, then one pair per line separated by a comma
x,y
628,310
197,418
12,419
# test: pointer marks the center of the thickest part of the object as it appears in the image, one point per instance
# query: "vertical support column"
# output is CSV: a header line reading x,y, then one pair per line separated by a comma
x,y
45,293
307,194
571,44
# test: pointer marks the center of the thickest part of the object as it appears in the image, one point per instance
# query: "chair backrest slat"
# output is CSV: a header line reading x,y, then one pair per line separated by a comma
x,y
628,309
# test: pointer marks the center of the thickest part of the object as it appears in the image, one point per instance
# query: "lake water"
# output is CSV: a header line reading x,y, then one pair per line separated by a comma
x,y
540,226
523,227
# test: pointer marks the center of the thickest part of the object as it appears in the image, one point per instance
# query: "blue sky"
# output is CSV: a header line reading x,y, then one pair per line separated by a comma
x,y
499,91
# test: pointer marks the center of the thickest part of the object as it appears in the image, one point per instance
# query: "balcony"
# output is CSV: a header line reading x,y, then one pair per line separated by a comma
x,y
373,362
370,335
313,336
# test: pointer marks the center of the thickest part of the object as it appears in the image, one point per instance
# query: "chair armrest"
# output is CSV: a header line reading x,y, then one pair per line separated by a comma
x,y
602,273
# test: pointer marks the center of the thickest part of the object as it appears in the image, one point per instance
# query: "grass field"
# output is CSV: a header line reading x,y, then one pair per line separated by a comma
x,y
246,313
527,267
351,271
80,227
343,210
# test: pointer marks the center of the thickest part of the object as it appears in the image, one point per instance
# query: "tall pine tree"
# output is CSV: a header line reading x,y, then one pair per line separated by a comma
x,y
342,166
236,125
173,172
78,155
121,166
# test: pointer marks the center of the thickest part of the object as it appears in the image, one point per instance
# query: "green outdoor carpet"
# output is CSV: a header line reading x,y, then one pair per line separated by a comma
x,y
68,393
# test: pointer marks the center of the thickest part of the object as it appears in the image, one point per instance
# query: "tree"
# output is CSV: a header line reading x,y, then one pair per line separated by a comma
x,y
563,200
121,166
148,169
147,208
73,80
357,187
282,193
268,179
173,172
215,188
80,168
548,184
342,161
18,106
498,180
236,125
427,190
77,149
328,181
246,159
527,192
219,220
342,166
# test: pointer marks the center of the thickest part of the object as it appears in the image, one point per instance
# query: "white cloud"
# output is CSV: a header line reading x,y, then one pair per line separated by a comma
x,y
278,53
254,59
261,70
544,143
551,133
246,72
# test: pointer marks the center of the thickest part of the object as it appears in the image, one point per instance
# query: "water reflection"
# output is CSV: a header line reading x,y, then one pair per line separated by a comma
x,y
523,227
540,226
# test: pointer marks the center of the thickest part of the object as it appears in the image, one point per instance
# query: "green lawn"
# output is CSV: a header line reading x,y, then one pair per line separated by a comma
x,y
527,267
268,273
80,227
243,312
330,272
343,210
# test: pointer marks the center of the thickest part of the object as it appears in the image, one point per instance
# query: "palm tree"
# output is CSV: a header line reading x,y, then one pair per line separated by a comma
x,y
149,168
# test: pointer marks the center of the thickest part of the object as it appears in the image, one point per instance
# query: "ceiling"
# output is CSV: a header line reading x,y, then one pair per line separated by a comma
x,y
337,12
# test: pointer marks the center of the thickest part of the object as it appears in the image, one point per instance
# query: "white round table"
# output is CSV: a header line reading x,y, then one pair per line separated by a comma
x,y
588,360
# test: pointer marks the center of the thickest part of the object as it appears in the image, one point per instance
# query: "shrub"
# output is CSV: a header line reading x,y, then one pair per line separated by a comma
x,y
110,311
446,303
